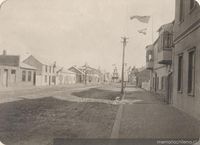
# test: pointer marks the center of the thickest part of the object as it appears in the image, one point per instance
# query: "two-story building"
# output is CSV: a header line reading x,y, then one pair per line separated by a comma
x,y
186,92
159,62
143,78
46,71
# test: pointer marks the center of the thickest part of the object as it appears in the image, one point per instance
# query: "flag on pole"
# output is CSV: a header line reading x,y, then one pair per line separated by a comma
x,y
2,2
143,31
143,19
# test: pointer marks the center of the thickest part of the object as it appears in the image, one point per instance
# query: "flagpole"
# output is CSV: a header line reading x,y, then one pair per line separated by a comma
x,y
152,36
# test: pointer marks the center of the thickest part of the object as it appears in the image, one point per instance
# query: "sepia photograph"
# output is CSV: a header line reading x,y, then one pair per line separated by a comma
x,y
99,72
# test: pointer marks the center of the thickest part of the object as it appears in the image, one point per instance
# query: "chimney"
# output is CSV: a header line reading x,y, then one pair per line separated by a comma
x,y
4,52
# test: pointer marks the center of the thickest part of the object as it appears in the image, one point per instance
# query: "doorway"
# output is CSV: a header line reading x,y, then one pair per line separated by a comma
x,y
49,80
5,78
169,88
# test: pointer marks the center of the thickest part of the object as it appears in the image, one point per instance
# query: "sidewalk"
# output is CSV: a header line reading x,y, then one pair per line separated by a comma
x,y
153,119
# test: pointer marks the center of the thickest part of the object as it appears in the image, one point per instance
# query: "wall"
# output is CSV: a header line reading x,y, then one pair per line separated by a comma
x,y
183,100
187,34
65,78
159,71
10,81
15,80
35,63
26,83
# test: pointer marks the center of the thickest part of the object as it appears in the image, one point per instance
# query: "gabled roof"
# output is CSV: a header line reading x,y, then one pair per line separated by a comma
x,y
26,66
42,60
90,69
76,68
64,70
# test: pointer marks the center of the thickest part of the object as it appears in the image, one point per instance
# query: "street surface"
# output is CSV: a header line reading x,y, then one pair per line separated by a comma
x,y
36,116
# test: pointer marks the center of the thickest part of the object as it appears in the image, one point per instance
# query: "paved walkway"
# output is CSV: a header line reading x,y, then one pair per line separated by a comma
x,y
152,119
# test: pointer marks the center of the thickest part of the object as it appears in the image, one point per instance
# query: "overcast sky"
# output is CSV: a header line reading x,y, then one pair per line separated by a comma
x,y
73,32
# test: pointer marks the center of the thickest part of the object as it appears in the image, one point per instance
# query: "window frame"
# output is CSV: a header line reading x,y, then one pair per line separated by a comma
x,y
192,91
181,11
29,76
23,76
180,78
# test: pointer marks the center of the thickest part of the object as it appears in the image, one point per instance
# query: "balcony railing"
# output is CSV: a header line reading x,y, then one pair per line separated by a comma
x,y
165,56
149,65
165,48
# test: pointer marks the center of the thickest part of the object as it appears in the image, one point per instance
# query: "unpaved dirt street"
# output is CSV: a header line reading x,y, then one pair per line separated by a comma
x,y
37,116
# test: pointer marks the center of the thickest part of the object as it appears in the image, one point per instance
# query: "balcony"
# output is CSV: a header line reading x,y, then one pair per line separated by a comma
x,y
149,57
165,56
149,65
165,45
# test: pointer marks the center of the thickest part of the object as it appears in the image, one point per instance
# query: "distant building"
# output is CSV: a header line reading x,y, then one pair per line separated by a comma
x,y
13,73
107,77
65,76
159,62
186,80
46,71
132,76
143,79
115,75
91,75
86,74
79,74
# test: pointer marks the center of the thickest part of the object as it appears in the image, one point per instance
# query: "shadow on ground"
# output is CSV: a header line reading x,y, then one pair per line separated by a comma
x,y
38,121
96,93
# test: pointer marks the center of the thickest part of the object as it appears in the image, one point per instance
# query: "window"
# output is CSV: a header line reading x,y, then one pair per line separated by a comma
x,y
181,15
192,4
191,72
13,72
46,68
180,73
23,76
50,69
54,79
29,76
149,56
13,76
167,40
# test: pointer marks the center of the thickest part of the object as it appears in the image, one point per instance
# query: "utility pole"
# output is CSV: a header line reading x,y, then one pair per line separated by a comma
x,y
124,41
